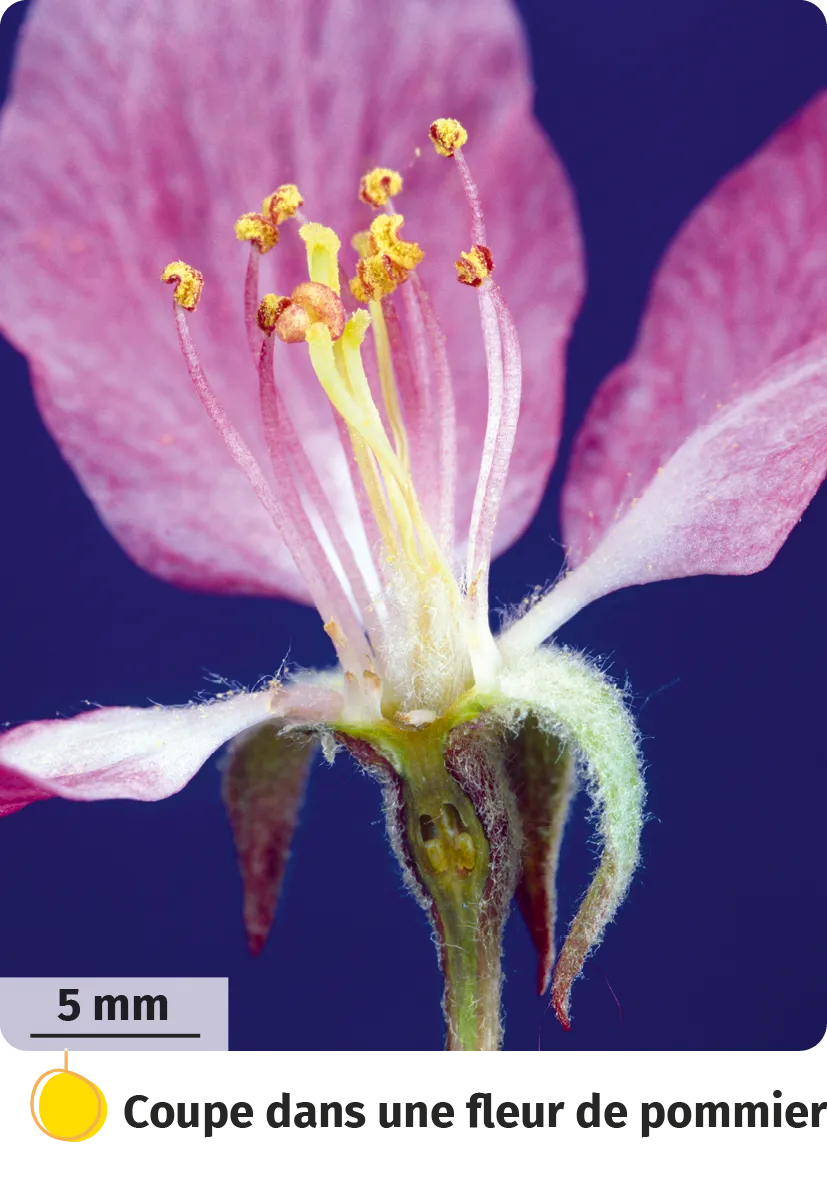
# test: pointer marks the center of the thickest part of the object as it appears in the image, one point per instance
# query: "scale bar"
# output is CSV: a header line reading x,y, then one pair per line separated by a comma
x,y
114,1035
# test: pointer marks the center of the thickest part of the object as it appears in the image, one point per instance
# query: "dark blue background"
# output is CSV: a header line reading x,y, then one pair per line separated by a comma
x,y
721,944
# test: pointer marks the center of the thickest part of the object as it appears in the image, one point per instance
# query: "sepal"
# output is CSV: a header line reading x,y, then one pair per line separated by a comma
x,y
573,701
264,776
542,773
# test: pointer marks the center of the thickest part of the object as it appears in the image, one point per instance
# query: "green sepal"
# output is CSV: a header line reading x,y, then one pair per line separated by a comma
x,y
574,702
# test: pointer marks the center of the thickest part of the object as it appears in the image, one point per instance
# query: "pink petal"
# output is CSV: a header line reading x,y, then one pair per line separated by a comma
x,y
743,286
137,133
724,503
138,753
264,780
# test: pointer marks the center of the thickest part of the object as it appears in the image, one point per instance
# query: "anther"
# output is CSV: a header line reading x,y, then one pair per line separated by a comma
x,y
188,281
384,232
258,230
447,135
386,259
282,204
378,186
270,310
376,276
474,267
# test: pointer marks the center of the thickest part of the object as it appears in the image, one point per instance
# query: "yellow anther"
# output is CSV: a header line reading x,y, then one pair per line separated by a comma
x,y
474,267
447,135
322,254
385,258
465,851
376,277
437,857
189,284
384,232
378,186
270,310
252,227
282,204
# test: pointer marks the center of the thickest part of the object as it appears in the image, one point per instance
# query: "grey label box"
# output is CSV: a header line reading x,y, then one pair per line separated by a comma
x,y
115,1014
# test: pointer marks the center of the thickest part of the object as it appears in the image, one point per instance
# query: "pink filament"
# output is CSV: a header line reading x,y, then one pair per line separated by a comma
x,y
502,354
473,197
284,443
251,303
302,543
428,339
413,382
500,433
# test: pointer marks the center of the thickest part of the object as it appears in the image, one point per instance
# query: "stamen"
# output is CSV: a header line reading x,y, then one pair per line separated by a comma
x,y
322,254
379,186
386,259
384,233
263,235
304,547
426,331
282,204
474,267
376,276
447,135
497,451
189,283
269,312
502,351
478,234
258,230
251,301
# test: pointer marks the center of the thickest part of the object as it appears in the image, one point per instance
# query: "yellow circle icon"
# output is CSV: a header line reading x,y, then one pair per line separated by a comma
x,y
67,1106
